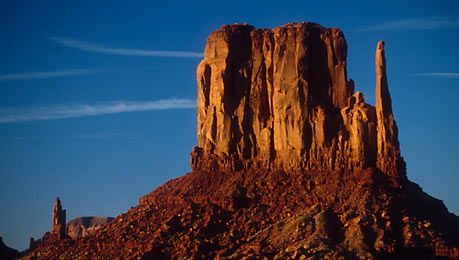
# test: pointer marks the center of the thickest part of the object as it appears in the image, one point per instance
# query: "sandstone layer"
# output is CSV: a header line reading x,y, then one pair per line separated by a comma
x,y
280,99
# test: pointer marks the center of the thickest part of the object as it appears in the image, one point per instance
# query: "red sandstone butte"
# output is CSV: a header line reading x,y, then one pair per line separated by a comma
x,y
291,163
280,99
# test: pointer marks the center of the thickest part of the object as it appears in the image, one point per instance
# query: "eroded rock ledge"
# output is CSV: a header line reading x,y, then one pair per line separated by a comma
x,y
280,99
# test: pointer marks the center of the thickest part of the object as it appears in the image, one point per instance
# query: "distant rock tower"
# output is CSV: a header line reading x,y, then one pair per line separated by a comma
x,y
59,223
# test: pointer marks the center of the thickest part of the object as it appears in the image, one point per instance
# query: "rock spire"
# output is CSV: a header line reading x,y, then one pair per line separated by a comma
x,y
280,99
59,222
389,159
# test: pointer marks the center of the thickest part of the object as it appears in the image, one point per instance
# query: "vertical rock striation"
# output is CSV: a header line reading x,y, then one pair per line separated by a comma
x,y
59,222
280,99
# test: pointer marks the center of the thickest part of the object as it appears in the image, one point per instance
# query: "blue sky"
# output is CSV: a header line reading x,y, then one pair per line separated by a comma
x,y
97,100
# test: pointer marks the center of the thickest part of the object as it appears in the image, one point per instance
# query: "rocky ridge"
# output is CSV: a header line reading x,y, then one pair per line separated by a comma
x,y
259,214
7,252
290,164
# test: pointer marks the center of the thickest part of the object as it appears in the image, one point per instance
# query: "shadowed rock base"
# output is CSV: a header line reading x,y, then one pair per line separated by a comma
x,y
253,214
7,253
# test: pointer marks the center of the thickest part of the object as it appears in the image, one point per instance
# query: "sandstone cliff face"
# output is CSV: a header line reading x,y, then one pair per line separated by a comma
x,y
280,99
83,226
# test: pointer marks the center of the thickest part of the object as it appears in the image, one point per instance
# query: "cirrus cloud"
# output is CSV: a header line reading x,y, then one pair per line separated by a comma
x,y
53,112
47,74
438,74
416,24
97,48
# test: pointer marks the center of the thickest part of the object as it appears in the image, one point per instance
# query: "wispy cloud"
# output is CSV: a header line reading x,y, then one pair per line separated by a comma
x,y
91,47
438,75
10,115
110,136
418,24
44,75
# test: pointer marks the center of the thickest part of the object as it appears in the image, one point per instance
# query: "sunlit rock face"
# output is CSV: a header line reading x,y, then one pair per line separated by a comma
x,y
280,99
389,159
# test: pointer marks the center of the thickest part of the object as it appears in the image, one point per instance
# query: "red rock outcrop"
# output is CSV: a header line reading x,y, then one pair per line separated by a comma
x,y
74,229
280,99
59,222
